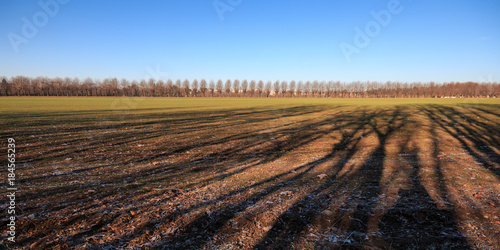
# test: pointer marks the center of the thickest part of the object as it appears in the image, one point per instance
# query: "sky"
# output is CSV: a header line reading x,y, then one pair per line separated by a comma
x,y
342,40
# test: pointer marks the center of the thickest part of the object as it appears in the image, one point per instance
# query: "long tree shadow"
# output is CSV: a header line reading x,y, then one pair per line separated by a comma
x,y
286,143
290,138
370,175
485,108
298,217
416,221
268,142
463,133
135,129
481,134
294,222
347,143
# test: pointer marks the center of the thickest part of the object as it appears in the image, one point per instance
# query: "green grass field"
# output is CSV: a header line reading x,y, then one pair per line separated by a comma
x,y
223,173
70,104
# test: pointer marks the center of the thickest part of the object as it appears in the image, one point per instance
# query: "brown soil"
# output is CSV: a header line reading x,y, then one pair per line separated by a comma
x,y
424,177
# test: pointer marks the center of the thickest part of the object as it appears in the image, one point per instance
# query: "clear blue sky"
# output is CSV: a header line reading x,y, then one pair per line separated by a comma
x,y
270,40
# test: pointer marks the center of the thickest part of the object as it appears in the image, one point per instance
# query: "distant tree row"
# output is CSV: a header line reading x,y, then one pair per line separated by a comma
x,y
43,86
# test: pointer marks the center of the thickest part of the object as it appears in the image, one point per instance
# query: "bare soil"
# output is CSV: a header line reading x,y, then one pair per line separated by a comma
x,y
304,177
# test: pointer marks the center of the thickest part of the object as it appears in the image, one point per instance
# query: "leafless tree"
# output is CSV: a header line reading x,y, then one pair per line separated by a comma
x,y
227,87
292,88
260,88
195,87
322,89
124,85
151,88
307,88
169,87
162,90
177,88
244,87
236,87
219,87
267,88
252,88
300,87
4,87
203,87
284,88
315,88
276,88
44,86
211,88
185,88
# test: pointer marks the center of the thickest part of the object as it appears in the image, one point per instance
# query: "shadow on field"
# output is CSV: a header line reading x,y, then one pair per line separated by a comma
x,y
415,219
479,139
217,178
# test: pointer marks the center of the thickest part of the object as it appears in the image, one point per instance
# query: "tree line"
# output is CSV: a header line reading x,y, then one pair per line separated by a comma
x,y
44,86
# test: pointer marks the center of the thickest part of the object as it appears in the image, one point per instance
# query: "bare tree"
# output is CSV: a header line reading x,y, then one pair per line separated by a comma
x,y
236,87
260,88
113,86
219,87
227,87
329,88
151,88
244,87
169,87
143,89
14,86
203,87
4,88
195,87
211,88
276,88
160,88
315,88
307,88
322,89
300,87
292,88
43,86
185,88
252,88
267,88
177,88
124,85
75,86
284,88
